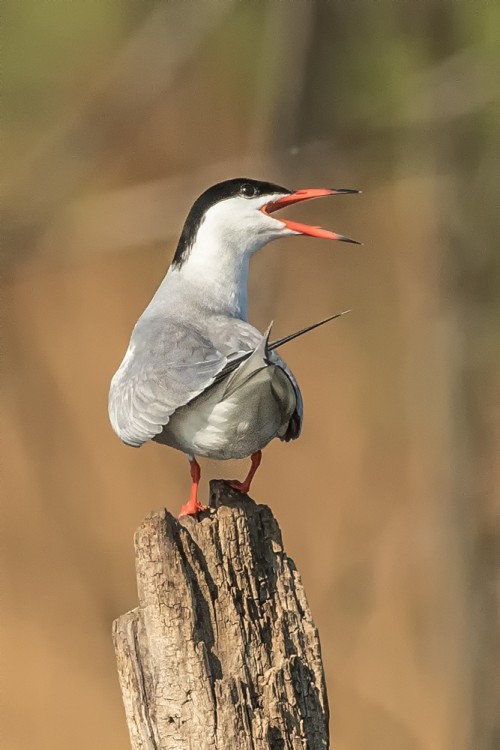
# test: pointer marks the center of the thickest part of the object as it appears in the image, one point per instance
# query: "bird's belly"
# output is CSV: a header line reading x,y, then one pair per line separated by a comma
x,y
221,427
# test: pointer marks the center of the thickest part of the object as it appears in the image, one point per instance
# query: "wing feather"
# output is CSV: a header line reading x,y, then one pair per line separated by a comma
x,y
161,372
168,364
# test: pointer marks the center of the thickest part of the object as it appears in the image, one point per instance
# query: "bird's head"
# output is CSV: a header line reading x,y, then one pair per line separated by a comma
x,y
238,217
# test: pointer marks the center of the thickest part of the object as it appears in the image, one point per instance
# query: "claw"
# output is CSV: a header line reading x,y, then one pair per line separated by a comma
x,y
191,508
244,486
240,486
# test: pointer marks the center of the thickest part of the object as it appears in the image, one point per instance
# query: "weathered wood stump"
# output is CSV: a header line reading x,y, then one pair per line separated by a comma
x,y
221,652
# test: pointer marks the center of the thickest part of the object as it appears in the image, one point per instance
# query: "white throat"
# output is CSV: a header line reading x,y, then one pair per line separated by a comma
x,y
218,274
216,265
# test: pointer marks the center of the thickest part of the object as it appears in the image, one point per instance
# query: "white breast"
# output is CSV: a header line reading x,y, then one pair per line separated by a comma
x,y
234,426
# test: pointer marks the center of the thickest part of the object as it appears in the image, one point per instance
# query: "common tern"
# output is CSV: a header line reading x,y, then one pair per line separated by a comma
x,y
196,375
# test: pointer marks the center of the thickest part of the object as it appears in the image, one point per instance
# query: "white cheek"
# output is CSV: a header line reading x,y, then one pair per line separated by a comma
x,y
239,223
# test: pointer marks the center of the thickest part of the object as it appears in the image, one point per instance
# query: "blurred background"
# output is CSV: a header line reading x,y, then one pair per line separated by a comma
x,y
116,115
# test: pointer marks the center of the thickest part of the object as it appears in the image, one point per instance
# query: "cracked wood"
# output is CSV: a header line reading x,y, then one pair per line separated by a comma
x,y
222,652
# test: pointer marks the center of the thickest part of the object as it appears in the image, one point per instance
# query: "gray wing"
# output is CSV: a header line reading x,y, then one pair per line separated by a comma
x,y
252,339
168,364
295,424
165,367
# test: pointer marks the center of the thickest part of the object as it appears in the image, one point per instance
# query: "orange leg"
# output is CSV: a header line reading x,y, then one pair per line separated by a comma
x,y
193,506
244,486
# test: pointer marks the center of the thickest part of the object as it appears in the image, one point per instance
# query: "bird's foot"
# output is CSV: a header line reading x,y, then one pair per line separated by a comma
x,y
191,508
242,487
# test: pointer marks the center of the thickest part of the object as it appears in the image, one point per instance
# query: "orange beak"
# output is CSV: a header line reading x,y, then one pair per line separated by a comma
x,y
305,195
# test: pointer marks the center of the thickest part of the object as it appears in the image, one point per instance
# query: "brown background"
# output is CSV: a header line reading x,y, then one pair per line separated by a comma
x,y
116,116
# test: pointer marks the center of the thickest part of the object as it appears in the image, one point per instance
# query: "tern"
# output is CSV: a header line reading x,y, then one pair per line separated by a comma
x,y
196,375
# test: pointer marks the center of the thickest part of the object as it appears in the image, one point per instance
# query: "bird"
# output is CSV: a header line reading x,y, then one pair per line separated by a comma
x,y
196,375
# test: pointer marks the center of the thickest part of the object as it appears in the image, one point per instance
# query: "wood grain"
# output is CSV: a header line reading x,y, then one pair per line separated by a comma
x,y
222,651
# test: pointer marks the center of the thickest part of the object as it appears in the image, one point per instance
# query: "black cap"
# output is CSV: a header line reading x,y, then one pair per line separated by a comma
x,y
239,186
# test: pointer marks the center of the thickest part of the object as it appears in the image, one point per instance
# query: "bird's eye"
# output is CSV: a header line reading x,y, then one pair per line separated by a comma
x,y
248,191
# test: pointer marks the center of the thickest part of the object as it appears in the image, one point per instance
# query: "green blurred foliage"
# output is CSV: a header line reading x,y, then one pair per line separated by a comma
x,y
398,98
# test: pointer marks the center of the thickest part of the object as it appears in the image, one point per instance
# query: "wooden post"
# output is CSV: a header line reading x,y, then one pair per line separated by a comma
x,y
222,652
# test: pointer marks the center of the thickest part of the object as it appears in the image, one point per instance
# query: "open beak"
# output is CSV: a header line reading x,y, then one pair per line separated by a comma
x,y
305,195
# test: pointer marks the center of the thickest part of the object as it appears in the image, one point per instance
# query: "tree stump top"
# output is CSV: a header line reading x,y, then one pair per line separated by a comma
x,y
222,651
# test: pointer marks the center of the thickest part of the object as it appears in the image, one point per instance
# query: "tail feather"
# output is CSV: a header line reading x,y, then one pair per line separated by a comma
x,y
279,342
267,347
254,361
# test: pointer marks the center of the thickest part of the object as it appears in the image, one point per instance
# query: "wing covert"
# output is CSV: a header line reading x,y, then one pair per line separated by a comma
x,y
165,367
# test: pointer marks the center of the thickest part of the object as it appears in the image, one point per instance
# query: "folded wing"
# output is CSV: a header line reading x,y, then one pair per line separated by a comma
x,y
165,367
